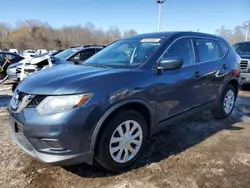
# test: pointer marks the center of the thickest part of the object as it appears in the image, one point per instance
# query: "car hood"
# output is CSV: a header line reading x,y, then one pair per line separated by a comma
x,y
65,79
244,56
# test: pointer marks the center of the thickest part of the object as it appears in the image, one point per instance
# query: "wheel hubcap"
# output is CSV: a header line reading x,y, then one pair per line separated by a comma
x,y
126,141
229,101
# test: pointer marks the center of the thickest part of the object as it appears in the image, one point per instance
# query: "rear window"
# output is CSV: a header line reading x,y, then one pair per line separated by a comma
x,y
222,48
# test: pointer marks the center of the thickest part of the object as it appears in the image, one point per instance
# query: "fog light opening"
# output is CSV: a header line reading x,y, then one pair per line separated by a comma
x,y
52,144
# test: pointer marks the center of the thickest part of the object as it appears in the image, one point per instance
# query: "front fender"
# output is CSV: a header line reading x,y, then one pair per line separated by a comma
x,y
110,111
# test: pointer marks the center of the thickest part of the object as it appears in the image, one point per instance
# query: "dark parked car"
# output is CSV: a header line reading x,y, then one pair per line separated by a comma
x,y
78,54
243,49
106,109
7,58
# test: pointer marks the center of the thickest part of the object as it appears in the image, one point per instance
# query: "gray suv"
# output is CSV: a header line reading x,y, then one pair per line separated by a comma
x,y
106,109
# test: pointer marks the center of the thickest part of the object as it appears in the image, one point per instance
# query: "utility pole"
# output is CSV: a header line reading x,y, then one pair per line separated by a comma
x,y
159,2
247,32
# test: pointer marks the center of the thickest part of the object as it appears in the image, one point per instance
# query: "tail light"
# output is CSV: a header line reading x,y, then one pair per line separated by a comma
x,y
236,72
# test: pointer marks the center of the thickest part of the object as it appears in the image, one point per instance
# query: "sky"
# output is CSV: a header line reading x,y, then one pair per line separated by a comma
x,y
141,15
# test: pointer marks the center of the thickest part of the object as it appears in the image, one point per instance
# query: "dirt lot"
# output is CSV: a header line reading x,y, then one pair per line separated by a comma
x,y
199,152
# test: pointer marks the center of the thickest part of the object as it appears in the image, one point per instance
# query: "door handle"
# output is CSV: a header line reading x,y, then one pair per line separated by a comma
x,y
197,74
224,66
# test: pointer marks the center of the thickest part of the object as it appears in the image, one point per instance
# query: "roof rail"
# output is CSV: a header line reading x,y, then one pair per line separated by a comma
x,y
86,46
75,46
94,45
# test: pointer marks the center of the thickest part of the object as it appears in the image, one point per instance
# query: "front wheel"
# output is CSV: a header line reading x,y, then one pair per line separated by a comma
x,y
226,103
122,140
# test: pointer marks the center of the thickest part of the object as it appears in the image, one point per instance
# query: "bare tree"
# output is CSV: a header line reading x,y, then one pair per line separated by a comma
x,y
33,34
233,35
129,33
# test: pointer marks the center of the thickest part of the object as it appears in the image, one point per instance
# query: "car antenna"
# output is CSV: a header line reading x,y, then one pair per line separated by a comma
x,y
198,29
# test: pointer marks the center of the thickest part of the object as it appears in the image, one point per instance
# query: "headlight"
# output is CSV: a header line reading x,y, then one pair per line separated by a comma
x,y
56,104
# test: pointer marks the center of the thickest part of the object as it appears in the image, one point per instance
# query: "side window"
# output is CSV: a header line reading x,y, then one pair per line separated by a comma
x,y
222,48
97,50
76,55
10,56
85,54
2,57
207,50
182,48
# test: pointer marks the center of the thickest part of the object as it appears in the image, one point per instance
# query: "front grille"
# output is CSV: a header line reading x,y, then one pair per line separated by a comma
x,y
18,70
243,64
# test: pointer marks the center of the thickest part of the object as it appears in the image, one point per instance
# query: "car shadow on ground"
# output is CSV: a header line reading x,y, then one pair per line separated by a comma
x,y
4,100
175,139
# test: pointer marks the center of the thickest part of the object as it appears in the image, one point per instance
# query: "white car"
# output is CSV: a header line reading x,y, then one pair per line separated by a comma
x,y
41,51
13,51
19,71
29,53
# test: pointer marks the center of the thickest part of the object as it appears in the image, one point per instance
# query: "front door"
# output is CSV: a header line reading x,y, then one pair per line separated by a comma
x,y
178,90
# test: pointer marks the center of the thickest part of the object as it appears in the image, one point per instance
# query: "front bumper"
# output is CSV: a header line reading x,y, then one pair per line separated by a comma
x,y
60,160
66,128
245,78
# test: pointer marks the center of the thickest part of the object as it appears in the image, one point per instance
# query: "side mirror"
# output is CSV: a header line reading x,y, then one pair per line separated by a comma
x,y
170,64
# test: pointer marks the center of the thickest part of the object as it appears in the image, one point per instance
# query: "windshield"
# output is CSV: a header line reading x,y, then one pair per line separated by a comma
x,y
243,48
66,53
127,52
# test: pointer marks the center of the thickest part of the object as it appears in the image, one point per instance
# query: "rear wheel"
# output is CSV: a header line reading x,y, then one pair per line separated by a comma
x,y
226,103
122,140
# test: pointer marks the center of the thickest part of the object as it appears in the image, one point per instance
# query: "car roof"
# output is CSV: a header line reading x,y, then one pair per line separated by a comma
x,y
173,33
9,53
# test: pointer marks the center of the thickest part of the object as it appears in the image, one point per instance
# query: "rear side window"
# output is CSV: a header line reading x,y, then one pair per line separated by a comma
x,y
85,54
9,56
207,50
222,48
182,48
97,50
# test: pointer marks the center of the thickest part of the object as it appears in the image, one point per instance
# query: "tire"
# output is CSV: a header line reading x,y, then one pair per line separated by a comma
x,y
220,111
104,155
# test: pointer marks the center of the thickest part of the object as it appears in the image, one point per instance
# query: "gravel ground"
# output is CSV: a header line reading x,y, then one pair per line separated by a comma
x,y
199,152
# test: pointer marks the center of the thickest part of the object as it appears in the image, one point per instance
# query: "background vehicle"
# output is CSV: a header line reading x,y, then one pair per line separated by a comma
x,y
243,49
78,54
41,52
29,53
13,51
107,108
6,59
26,67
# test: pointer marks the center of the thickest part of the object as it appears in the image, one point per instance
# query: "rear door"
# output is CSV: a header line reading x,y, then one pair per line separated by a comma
x,y
210,53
